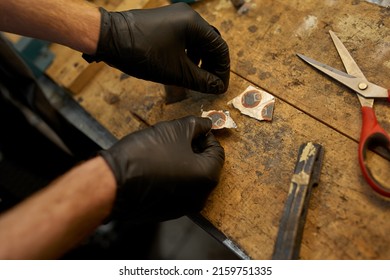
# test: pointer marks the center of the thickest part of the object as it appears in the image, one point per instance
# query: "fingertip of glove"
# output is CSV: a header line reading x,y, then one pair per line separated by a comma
x,y
217,87
206,123
199,125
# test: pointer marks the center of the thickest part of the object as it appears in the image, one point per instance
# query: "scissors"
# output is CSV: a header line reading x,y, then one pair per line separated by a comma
x,y
372,134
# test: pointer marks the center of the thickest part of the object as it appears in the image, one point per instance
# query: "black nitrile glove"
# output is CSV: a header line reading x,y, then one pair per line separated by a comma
x,y
165,171
165,45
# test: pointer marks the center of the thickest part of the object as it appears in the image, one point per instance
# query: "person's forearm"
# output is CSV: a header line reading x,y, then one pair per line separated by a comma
x,y
74,23
57,218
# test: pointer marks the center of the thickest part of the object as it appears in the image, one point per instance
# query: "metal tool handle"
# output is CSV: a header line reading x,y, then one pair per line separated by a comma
x,y
372,136
306,175
288,242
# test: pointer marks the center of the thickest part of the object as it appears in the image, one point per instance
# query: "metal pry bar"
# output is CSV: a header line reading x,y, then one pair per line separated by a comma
x,y
306,175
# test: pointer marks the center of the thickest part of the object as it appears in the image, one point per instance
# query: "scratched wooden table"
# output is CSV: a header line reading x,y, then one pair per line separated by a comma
x,y
346,219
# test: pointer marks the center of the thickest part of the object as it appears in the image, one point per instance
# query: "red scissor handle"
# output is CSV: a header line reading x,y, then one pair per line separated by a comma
x,y
372,135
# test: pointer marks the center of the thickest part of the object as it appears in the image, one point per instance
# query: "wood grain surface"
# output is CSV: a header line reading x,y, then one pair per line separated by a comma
x,y
346,219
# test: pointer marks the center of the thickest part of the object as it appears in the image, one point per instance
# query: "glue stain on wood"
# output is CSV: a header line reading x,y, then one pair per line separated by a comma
x,y
387,64
308,25
111,98
223,4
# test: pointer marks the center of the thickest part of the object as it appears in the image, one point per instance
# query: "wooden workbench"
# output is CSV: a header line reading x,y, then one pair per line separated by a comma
x,y
346,220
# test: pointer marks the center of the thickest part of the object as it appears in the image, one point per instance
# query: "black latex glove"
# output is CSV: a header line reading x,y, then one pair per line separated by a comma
x,y
165,171
165,45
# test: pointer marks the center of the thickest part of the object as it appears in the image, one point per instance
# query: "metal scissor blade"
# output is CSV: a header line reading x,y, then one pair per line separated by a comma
x,y
364,87
338,75
371,90
349,63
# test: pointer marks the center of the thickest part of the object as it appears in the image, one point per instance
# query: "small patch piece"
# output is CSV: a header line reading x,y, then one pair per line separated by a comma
x,y
220,119
255,103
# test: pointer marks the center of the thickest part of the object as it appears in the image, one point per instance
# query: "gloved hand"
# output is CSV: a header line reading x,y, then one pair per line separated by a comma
x,y
165,45
165,171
